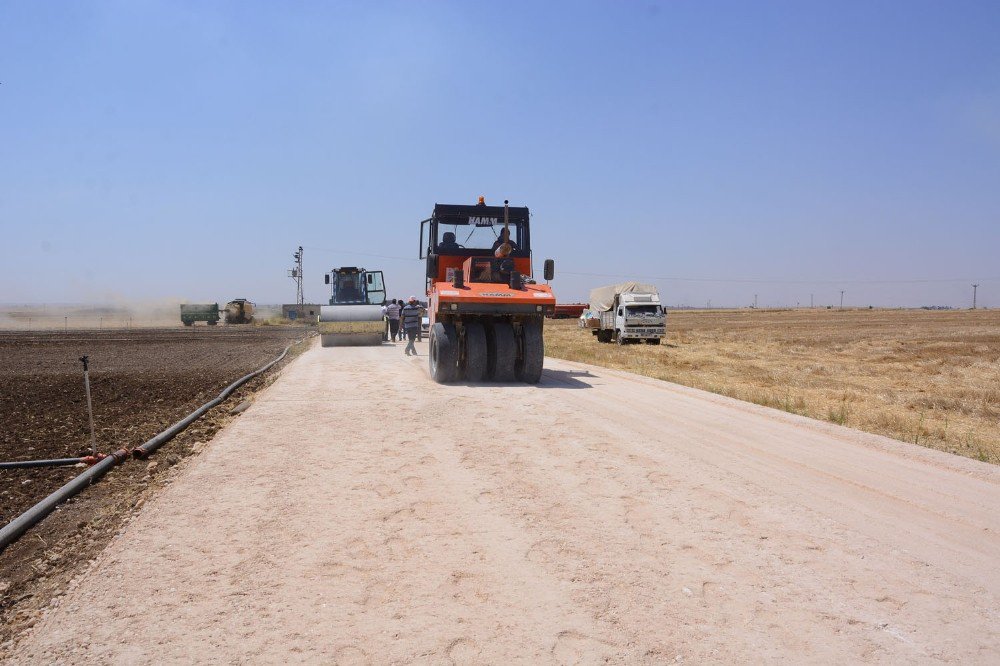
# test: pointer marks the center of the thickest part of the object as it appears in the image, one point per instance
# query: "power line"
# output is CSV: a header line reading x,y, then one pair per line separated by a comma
x,y
767,281
676,278
361,254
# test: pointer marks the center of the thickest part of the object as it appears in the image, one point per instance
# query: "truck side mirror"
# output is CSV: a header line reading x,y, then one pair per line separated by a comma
x,y
326,278
369,277
550,269
432,266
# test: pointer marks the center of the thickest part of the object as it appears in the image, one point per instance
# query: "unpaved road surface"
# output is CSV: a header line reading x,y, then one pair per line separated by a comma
x,y
359,513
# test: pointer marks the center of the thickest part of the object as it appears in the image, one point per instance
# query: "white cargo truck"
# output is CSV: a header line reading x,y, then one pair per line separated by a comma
x,y
627,312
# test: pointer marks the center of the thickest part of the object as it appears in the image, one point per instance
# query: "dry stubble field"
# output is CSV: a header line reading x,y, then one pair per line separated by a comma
x,y
927,377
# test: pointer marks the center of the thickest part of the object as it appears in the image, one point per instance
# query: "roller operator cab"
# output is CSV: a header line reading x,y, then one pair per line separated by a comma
x,y
354,315
485,309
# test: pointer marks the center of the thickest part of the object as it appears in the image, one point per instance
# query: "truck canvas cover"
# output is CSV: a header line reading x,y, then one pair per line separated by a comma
x,y
602,299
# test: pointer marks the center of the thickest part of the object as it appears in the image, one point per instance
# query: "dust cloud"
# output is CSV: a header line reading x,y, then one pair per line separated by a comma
x,y
118,315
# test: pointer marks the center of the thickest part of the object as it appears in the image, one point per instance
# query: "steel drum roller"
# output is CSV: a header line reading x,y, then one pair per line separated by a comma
x,y
350,325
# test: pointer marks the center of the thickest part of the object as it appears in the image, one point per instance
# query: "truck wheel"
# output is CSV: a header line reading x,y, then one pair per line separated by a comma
x,y
501,351
443,356
188,323
212,323
529,367
476,355
653,341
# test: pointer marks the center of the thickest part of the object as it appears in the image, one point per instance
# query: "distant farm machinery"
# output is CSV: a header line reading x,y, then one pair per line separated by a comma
x,y
236,311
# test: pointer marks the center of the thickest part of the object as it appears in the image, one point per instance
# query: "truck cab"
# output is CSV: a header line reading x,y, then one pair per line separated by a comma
x,y
638,318
625,313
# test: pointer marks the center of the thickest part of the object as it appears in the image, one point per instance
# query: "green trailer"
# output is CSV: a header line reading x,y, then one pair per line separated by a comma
x,y
206,312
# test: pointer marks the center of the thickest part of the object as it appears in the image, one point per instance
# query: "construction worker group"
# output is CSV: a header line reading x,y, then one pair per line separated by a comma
x,y
403,321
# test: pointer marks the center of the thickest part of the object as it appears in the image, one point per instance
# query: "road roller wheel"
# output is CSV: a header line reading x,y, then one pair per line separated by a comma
x,y
443,356
529,366
476,354
501,351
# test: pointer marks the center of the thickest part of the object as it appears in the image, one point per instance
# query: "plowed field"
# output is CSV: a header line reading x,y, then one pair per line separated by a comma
x,y
141,382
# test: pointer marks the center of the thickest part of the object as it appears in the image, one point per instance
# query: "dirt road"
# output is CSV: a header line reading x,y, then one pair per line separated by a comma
x,y
360,513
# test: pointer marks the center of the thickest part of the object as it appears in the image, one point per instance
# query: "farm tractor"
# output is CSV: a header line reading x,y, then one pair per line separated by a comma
x,y
239,311
354,315
485,309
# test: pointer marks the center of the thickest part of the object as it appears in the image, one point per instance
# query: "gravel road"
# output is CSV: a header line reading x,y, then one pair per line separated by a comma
x,y
360,513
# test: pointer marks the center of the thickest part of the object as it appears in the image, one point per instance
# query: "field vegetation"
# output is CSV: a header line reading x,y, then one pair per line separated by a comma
x,y
927,377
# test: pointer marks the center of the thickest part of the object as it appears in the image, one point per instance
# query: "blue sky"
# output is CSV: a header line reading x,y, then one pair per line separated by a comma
x,y
158,150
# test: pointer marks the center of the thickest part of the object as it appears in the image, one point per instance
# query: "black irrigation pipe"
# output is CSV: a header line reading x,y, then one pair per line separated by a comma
x,y
56,462
143,450
13,530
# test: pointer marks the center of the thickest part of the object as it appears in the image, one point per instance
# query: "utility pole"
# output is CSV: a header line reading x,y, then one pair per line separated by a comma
x,y
296,274
755,301
810,301
841,299
974,288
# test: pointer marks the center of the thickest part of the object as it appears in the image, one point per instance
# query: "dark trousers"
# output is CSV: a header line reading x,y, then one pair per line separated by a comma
x,y
411,336
393,328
